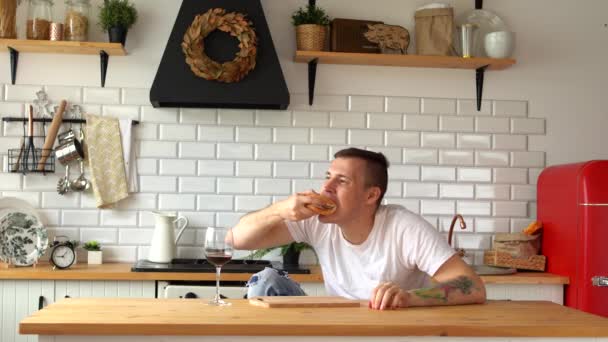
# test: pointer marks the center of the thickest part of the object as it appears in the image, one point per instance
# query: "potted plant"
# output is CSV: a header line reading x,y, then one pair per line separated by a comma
x,y
290,252
116,17
311,28
94,254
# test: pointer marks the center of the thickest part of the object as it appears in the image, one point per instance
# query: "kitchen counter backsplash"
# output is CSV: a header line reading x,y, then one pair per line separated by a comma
x,y
214,165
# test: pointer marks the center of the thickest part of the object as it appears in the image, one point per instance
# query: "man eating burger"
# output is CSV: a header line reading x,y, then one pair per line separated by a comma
x,y
382,253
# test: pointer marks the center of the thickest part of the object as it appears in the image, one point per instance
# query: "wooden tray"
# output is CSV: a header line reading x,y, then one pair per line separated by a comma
x,y
303,302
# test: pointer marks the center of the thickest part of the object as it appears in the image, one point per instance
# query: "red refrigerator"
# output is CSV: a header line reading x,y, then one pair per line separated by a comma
x,y
573,208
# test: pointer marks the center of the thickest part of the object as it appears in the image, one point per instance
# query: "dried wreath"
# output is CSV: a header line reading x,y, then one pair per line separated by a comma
x,y
233,23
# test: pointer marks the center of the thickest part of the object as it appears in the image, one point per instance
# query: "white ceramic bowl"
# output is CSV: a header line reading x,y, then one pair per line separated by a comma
x,y
499,44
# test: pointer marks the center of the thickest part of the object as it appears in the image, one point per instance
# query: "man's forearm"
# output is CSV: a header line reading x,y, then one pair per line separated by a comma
x,y
253,226
462,290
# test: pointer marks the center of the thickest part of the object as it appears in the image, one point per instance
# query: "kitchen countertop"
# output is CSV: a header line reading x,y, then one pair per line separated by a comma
x,y
104,316
122,271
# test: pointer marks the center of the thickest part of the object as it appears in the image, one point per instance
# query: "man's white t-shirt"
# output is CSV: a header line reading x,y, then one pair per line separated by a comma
x,y
402,248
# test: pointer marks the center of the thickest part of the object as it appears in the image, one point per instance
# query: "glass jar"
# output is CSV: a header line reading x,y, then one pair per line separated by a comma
x,y
39,19
8,17
76,25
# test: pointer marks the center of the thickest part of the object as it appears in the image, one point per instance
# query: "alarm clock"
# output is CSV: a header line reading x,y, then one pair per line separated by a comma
x,y
63,254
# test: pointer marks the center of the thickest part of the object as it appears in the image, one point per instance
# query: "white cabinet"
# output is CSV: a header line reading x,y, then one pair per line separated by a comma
x,y
550,292
104,288
313,289
20,298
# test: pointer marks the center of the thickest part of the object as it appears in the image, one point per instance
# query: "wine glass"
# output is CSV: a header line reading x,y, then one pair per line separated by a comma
x,y
218,249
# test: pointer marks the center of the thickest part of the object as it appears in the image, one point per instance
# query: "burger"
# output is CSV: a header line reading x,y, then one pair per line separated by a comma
x,y
323,206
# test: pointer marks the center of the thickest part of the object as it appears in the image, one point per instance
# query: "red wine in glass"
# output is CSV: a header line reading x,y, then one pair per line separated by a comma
x,y
218,249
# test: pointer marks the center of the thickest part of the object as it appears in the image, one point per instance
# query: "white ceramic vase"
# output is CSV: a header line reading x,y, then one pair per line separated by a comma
x,y
499,44
94,257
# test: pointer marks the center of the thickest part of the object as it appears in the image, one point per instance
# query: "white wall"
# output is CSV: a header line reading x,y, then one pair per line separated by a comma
x,y
559,76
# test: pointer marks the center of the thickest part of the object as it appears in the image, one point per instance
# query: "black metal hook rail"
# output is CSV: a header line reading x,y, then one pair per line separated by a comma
x,y
48,120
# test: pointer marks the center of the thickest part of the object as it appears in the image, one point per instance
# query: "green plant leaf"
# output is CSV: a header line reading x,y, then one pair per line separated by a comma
x,y
310,15
117,13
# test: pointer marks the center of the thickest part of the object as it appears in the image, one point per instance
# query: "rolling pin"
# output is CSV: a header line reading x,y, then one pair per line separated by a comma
x,y
52,134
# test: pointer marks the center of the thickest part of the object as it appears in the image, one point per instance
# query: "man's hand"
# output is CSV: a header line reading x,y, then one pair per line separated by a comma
x,y
294,208
388,296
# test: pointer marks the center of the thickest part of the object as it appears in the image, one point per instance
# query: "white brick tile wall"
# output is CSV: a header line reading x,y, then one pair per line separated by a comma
x,y
438,140
234,185
214,202
412,122
483,191
214,165
177,132
99,95
402,139
253,168
272,152
384,121
215,133
180,167
469,107
510,175
216,168
121,112
431,173
235,117
420,189
118,218
492,125
474,175
196,150
310,119
157,184
201,116
510,142
528,126
456,124
510,208
510,108
419,156
456,190
253,134
134,96
347,120
234,151
528,159
328,136
402,105
403,172
291,170
196,184
366,103
438,106
80,217
176,202
456,158
273,118
291,135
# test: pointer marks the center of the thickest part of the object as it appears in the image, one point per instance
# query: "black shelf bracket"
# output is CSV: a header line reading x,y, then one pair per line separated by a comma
x,y
312,3
103,62
478,4
479,73
312,76
14,61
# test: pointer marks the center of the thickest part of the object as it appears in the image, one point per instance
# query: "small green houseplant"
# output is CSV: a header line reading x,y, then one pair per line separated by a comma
x,y
290,252
94,253
116,17
311,28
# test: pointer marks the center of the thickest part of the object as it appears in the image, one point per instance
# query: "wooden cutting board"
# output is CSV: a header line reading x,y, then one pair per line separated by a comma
x,y
303,302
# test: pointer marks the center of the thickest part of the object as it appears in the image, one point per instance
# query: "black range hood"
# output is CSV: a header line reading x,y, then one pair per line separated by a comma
x,y
175,85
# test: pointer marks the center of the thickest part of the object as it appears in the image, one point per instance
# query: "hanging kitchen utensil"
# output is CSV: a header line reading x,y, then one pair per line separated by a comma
x,y
50,138
30,150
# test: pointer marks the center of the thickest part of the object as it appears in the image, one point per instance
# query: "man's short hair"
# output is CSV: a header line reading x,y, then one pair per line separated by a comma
x,y
376,169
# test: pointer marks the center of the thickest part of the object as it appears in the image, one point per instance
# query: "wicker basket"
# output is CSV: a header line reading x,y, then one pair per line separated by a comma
x,y
502,259
311,37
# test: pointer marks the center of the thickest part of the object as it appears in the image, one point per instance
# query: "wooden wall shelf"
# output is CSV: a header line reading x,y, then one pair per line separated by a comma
x,y
414,61
15,46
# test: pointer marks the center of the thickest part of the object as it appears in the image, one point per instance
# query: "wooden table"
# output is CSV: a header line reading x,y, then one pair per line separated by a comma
x,y
123,319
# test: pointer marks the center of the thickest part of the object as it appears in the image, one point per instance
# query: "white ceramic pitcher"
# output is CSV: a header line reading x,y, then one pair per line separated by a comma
x,y
164,240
